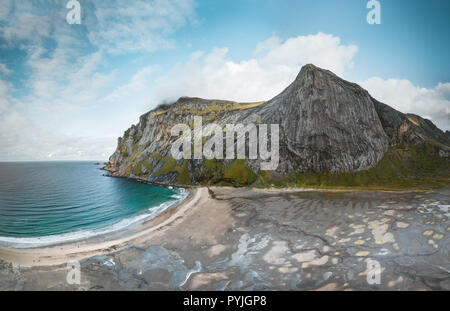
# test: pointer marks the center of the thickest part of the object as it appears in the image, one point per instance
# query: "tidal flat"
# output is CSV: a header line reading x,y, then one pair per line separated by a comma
x,y
248,239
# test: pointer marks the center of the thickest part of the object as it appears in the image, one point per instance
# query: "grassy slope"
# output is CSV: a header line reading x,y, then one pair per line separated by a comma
x,y
403,167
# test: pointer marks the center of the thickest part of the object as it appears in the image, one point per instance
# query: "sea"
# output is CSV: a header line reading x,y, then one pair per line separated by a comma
x,y
45,203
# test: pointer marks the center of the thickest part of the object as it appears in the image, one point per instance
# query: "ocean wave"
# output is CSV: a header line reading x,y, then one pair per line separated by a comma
x,y
32,242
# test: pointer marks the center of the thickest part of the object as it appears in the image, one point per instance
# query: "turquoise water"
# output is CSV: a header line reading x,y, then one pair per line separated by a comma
x,y
44,202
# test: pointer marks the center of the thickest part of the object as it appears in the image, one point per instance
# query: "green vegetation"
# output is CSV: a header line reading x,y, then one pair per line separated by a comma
x,y
212,172
184,174
148,165
236,173
239,174
155,156
137,168
215,108
170,166
403,166
123,151
136,138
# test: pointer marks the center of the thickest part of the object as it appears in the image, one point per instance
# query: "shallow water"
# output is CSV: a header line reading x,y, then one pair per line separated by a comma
x,y
41,202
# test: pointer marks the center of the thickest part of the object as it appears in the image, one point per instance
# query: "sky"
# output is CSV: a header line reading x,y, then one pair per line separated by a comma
x,y
68,91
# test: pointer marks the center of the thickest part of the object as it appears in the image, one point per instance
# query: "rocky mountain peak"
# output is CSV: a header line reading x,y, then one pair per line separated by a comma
x,y
326,124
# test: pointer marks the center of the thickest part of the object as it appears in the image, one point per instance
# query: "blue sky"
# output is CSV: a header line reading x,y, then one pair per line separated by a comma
x,y
68,91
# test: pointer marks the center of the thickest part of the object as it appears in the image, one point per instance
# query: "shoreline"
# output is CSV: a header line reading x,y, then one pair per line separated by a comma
x,y
246,239
117,229
64,252
101,244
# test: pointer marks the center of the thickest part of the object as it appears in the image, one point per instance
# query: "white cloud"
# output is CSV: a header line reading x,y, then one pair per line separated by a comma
x,y
114,26
4,69
5,9
324,50
138,87
274,66
67,77
25,25
71,95
214,75
65,87
22,140
141,26
402,95
5,95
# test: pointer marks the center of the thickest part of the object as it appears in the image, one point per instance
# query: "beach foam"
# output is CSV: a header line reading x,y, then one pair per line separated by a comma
x,y
32,242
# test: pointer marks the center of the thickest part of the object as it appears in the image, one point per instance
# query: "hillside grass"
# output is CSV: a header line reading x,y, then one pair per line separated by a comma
x,y
402,167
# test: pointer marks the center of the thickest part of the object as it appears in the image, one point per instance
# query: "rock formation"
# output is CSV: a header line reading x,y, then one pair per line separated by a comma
x,y
326,124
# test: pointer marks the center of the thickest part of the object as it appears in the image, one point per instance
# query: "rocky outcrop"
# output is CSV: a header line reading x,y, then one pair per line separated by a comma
x,y
329,124
408,128
326,124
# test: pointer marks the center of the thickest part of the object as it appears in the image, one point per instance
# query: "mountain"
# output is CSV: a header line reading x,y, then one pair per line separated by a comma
x,y
327,127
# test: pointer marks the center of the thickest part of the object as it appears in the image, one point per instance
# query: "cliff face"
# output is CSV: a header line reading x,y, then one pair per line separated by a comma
x,y
326,124
408,128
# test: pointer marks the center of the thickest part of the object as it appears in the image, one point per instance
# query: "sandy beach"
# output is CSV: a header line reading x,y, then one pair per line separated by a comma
x,y
78,250
248,239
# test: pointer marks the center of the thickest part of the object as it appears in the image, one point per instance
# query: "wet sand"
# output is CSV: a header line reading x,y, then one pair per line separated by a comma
x,y
248,239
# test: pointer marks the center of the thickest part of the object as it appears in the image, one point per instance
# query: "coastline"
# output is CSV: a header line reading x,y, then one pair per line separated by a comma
x,y
59,253
96,245
247,239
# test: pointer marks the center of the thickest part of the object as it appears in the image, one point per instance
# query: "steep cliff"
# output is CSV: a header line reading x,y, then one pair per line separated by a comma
x,y
408,128
326,124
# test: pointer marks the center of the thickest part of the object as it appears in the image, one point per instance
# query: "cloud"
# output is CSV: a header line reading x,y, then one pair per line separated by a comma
x,y
5,9
26,24
4,70
22,140
66,80
67,74
114,26
324,50
5,95
138,87
76,103
274,66
431,103
142,26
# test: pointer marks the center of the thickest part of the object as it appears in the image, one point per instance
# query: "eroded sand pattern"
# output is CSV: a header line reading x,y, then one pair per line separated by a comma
x,y
243,239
